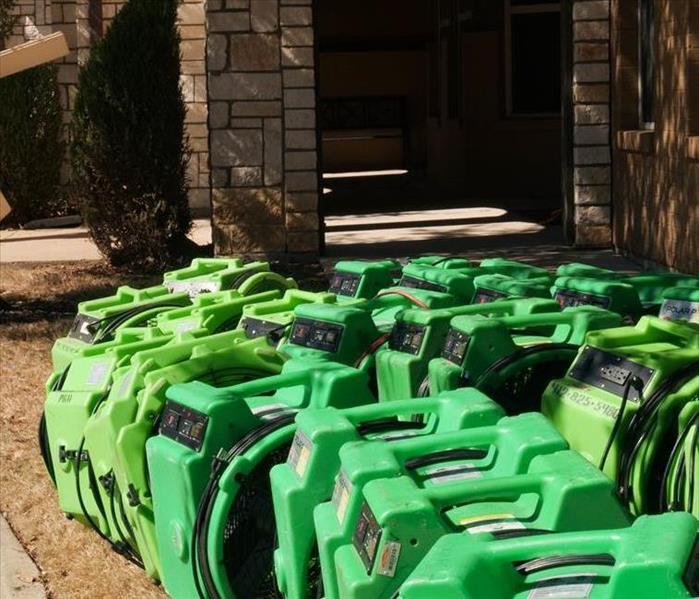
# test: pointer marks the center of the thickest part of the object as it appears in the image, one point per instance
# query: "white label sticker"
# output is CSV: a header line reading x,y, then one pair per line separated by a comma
x,y
680,310
186,325
341,495
300,452
126,382
388,560
570,586
193,288
85,327
97,373
446,474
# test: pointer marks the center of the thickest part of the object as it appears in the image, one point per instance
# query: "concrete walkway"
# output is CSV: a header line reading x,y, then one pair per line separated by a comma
x,y
19,576
472,231
68,244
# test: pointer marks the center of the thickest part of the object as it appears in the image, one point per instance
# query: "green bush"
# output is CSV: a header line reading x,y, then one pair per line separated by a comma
x,y
129,155
31,150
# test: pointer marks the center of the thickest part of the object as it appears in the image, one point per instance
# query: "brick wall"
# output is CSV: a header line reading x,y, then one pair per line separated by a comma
x,y
656,173
33,19
262,123
76,19
591,134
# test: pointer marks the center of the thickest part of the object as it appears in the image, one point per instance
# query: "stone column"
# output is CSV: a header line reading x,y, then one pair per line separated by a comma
x,y
261,86
592,137
192,25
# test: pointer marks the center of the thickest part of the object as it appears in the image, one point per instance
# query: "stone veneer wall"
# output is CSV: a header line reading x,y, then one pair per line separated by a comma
x,y
263,126
72,17
592,120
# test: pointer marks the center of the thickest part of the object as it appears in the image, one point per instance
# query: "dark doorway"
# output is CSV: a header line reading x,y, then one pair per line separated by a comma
x,y
431,104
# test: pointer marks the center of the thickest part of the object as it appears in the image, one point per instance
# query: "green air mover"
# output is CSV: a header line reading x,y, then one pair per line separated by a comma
x,y
485,453
650,286
658,556
494,287
72,396
206,275
216,312
514,269
445,262
98,320
249,426
308,476
116,433
512,358
92,363
273,319
585,271
615,296
620,401
436,279
354,279
342,333
419,335
680,303
401,518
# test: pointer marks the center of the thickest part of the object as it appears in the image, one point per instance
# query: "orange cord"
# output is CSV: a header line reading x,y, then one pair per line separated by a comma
x,y
418,302
372,348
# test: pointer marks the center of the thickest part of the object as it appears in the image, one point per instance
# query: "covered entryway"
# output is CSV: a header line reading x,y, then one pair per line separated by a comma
x,y
451,107
329,108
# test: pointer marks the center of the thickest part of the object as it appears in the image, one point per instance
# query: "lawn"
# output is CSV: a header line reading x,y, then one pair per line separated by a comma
x,y
37,304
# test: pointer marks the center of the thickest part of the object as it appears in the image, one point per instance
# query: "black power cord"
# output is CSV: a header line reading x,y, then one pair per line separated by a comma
x,y
636,383
676,460
201,568
643,423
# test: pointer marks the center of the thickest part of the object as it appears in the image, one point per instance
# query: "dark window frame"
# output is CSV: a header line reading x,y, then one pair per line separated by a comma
x,y
646,63
515,7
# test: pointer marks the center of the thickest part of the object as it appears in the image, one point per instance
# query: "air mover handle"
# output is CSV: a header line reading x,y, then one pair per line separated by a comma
x,y
432,405
469,453
559,561
493,489
386,424
674,527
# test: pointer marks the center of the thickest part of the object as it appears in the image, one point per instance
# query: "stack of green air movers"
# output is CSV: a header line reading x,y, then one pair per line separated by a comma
x,y
435,428
107,399
628,403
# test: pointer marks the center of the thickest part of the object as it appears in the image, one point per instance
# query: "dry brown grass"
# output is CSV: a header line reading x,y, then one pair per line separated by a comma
x,y
73,561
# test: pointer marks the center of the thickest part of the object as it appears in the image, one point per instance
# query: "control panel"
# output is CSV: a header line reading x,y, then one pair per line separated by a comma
x,y
316,334
567,298
406,337
413,283
254,327
345,283
485,296
454,348
367,535
610,372
85,328
184,425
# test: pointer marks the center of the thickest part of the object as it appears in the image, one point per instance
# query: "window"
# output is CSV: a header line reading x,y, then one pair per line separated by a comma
x,y
533,57
646,66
